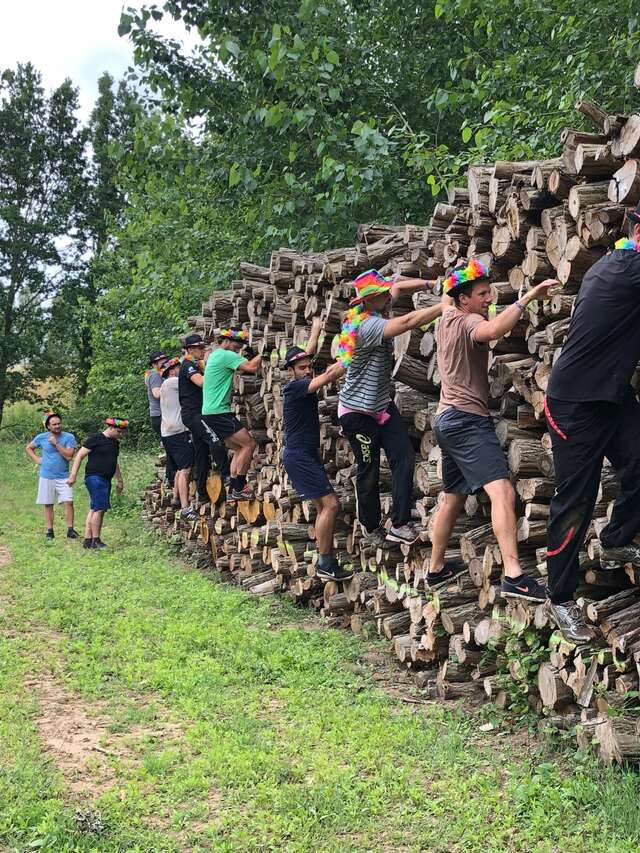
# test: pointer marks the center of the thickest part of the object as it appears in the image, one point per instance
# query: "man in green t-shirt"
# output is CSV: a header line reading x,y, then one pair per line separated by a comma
x,y
217,415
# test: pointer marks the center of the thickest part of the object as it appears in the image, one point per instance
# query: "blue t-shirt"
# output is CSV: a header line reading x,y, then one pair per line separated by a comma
x,y
53,466
301,421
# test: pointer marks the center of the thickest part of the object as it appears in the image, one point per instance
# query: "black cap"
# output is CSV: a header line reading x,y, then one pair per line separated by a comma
x,y
295,354
194,341
634,215
156,356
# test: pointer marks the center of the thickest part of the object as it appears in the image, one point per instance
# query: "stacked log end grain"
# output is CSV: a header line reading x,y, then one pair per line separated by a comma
x,y
553,217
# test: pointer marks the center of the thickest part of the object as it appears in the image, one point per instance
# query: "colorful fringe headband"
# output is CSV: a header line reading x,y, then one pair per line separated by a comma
x,y
118,423
234,335
349,334
47,416
629,245
475,269
169,365
199,362
370,283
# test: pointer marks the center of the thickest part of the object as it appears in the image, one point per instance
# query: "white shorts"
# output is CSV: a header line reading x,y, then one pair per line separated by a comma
x,y
48,489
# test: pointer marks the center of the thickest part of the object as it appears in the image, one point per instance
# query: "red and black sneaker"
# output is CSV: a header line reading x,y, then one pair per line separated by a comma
x,y
245,494
524,587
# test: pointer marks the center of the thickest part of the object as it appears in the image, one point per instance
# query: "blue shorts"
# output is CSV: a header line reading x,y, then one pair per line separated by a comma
x,y
99,489
306,473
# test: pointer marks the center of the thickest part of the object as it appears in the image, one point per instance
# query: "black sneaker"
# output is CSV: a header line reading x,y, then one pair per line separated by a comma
x,y
570,623
449,571
175,504
524,587
334,572
89,543
612,558
98,543
49,534
189,514
72,534
376,539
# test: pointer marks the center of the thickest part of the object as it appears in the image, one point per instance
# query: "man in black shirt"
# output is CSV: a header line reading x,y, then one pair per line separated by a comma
x,y
592,412
301,456
190,381
101,450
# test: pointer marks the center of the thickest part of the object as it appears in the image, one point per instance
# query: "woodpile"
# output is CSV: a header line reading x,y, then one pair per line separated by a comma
x,y
553,217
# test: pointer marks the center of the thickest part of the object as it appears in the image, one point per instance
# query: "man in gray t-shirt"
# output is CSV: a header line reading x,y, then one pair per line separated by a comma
x,y
368,416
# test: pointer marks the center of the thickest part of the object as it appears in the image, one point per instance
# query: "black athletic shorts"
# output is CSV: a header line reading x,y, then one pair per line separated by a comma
x,y
223,425
180,449
306,472
471,452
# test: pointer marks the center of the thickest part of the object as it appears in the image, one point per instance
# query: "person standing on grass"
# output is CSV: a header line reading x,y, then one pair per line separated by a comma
x,y
368,416
301,455
190,382
216,406
176,438
101,450
592,411
472,458
153,383
57,449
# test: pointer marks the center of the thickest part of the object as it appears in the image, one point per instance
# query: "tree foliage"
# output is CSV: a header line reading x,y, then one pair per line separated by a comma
x,y
40,189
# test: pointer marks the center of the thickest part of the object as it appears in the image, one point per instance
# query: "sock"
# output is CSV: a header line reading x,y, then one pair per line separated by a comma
x,y
49,529
241,481
69,529
232,483
87,540
515,580
325,560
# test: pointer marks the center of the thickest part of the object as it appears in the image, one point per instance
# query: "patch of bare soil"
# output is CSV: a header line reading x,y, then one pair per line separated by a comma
x,y
5,555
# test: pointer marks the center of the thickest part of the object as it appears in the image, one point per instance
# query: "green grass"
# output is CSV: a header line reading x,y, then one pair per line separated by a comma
x,y
279,741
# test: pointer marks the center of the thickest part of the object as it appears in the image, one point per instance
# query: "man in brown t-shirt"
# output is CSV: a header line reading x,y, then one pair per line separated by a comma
x,y
472,458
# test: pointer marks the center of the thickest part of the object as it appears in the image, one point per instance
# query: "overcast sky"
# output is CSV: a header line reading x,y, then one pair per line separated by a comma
x,y
71,38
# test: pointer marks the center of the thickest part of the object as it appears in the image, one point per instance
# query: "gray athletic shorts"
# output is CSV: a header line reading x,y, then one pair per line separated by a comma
x,y
471,453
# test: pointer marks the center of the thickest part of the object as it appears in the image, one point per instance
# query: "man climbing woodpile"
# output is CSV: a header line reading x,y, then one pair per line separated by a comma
x,y
369,417
217,415
472,458
592,412
301,456
176,438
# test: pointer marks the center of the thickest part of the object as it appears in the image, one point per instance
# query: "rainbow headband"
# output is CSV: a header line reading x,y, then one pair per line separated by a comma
x,y
349,334
475,269
118,423
629,245
234,335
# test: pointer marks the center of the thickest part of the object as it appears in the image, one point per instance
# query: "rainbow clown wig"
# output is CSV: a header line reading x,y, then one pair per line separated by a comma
x,y
474,270
117,423
234,334
370,283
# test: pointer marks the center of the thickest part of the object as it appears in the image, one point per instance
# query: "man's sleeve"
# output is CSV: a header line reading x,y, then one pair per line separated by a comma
x,y
233,360
89,442
297,389
371,331
69,440
471,323
36,441
155,380
191,370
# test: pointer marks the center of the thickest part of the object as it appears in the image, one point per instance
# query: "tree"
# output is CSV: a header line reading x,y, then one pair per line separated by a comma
x,y
109,133
41,149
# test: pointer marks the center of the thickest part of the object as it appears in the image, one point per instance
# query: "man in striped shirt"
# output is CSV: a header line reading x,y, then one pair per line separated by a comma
x,y
368,416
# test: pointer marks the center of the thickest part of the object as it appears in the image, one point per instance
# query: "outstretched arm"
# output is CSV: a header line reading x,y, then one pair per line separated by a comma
x,y
492,330
312,343
410,285
333,372
251,365
398,325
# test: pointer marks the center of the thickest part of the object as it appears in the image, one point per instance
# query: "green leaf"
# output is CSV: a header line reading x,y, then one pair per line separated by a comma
x,y
333,57
438,10
234,175
467,133
124,27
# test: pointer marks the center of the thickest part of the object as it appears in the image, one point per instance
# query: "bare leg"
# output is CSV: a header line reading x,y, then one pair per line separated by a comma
x,y
97,517
48,516
68,513
441,527
182,486
503,519
87,525
327,507
243,444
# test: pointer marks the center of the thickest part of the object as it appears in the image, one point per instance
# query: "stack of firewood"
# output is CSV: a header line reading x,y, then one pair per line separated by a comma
x,y
535,219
